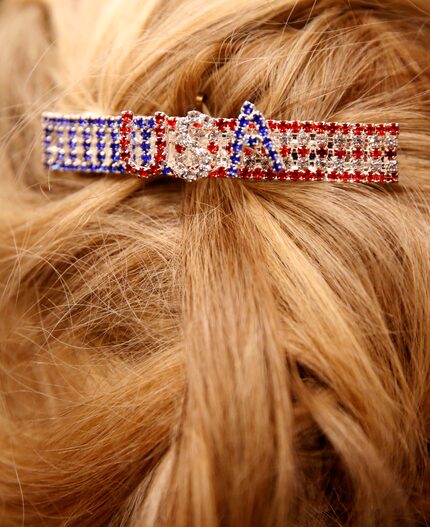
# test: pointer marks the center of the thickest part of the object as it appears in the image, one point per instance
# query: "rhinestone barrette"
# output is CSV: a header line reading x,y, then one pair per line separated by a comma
x,y
199,146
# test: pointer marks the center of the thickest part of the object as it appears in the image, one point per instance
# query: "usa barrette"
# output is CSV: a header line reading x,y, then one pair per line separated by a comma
x,y
199,146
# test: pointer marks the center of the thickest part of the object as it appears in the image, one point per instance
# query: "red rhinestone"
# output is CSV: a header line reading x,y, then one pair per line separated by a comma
x,y
294,175
248,151
285,151
221,124
392,128
358,129
306,174
272,124
380,129
130,169
345,176
307,127
357,175
124,143
369,129
159,157
282,175
376,153
179,148
340,153
257,173
160,142
213,147
322,152
346,128
333,175
244,173
228,147
283,126
127,117
124,156
333,128
153,169
125,129
221,172
303,151
171,121
143,173
390,154
320,127
358,153
270,174
295,127
319,173
231,123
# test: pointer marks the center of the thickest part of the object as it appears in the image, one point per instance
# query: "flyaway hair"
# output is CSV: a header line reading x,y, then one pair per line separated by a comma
x,y
225,353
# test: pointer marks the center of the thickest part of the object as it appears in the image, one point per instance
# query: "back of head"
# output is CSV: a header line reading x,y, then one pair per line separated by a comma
x,y
217,353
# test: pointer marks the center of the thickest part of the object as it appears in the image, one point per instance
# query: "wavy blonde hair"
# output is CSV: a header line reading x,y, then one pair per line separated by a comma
x,y
221,353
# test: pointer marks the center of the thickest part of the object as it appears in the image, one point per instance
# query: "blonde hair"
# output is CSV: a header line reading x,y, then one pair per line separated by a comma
x,y
221,353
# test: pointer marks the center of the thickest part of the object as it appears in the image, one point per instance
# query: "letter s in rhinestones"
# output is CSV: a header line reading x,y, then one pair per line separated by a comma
x,y
188,156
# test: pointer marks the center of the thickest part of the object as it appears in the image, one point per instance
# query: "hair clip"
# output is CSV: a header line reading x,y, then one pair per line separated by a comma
x,y
199,146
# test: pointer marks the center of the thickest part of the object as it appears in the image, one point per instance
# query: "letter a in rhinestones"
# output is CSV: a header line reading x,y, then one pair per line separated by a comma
x,y
249,114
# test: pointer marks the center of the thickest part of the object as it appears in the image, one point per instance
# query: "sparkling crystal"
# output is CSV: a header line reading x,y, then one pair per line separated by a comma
x,y
193,133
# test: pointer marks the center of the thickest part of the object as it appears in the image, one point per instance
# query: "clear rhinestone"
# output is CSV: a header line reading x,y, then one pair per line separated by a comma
x,y
193,133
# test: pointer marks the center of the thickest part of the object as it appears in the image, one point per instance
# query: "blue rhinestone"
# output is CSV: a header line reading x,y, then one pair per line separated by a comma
x,y
82,122
267,141
273,155
277,167
146,134
166,170
111,122
47,142
247,108
239,134
114,135
72,133
235,158
232,172
116,157
258,119
145,147
264,132
237,147
151,123
243,121
101,122
146,158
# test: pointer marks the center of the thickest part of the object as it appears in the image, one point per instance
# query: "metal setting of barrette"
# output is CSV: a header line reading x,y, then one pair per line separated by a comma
x,y
199,146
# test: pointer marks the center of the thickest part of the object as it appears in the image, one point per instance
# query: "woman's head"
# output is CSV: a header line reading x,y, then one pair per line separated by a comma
x,y
220,352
